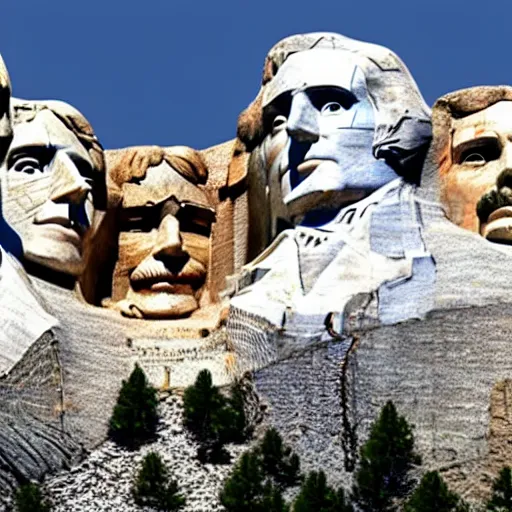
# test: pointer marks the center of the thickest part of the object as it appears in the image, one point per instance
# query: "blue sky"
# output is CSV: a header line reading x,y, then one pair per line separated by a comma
x,y
169,72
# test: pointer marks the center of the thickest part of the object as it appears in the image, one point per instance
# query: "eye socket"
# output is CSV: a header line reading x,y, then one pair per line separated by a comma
x,y
27,165
279,123
331,108
476,158
330,100
479,152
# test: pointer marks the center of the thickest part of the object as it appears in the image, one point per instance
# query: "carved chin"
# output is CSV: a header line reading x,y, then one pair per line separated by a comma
x,y
59,256
148,304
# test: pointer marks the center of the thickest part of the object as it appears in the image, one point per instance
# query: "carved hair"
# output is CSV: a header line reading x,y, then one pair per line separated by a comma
x,y
133,163
402,130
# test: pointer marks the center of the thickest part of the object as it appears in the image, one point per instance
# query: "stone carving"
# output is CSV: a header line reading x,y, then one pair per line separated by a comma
x,y
472,130
53,184
5,109
334,120
340,121
164,222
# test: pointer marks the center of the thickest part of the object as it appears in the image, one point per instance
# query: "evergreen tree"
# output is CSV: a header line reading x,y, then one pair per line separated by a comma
x,y
208,417
135,414
385,461
278,461
272,500
243,490
316,496
258,479
153,488
433,495
239,430
29,498
501,499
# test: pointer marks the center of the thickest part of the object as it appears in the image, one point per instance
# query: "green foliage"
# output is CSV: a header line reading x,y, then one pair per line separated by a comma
x,y
260,476
501,499
316,496
29,498
243,490
385,461
135,414
433,495
273,500
239,430
153,487
278,461
213,419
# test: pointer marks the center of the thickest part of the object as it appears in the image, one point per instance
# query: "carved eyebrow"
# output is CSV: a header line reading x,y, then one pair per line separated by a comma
x,y
42,153
487,144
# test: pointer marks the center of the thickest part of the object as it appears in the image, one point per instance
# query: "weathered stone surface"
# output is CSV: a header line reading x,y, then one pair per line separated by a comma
x,y
103,481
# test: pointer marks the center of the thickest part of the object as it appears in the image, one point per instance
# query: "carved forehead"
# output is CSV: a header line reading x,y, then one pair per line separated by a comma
x,y
497,119
158,184
45,129
315,68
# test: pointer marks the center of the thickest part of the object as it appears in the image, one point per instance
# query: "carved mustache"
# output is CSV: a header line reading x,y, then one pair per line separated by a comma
x,y
174,270
497,197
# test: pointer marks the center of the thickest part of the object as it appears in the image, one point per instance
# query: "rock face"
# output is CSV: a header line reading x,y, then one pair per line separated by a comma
x,y
104,480
369,277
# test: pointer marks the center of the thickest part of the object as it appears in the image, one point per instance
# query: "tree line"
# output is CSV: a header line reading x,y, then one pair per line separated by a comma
x,y
267,476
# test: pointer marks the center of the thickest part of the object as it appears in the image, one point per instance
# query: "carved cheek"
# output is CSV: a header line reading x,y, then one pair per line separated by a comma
x,y
133,248
462,187
274,146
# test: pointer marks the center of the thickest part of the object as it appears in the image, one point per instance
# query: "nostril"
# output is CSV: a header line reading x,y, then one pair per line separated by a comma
x,y
173,263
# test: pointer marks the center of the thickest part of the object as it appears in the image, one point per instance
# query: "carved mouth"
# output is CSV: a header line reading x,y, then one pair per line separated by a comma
x,y
308,166
499,226
154,275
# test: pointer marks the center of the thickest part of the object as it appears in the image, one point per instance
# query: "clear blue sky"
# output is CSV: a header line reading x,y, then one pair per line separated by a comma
x,y
171,72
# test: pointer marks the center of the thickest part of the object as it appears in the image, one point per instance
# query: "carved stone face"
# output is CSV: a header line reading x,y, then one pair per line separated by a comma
x,y
481,152
320,128
164,245
47,188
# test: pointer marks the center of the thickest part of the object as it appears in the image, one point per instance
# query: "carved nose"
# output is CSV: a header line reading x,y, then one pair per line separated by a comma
x,y
168,242
303,120
68,185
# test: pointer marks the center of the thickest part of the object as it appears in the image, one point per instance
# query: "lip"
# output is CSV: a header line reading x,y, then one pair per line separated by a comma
x,y
310,165
166,287
59,233
499,226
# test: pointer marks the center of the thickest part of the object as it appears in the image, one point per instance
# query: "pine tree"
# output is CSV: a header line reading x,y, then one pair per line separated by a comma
x,y
135,414
208,417
278,461
243,490
153,487
239,430
385,461
316,496
29,498
272,500
501,499
433,495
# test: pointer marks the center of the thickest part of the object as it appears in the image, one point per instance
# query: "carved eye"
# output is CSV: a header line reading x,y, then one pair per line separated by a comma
x,y
480,151
27,164
279,123
331,108
474,158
